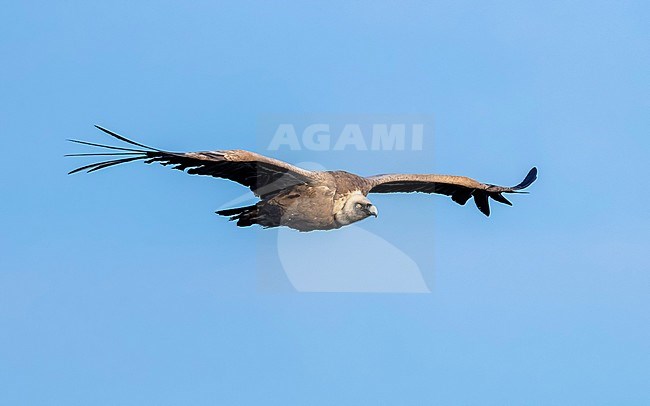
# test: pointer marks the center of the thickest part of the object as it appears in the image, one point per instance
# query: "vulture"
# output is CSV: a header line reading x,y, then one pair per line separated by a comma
x,y
297,198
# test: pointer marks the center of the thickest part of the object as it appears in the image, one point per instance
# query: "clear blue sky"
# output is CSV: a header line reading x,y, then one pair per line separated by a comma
x,y
123,287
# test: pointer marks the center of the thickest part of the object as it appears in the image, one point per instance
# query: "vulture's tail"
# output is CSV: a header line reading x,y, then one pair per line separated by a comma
x,y
245,216
262,214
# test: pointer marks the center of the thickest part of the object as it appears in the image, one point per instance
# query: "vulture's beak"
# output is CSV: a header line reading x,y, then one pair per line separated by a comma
x,y
372,210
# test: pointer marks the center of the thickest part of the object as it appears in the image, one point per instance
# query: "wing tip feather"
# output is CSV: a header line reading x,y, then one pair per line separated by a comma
x,y
528,180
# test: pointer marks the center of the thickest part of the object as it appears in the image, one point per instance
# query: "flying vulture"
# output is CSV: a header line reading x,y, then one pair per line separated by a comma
x,y
297,198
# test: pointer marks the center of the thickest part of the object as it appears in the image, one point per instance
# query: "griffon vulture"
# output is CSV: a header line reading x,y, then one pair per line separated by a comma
x,y
297,198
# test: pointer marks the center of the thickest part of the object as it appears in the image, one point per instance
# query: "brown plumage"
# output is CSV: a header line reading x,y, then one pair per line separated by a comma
x,y
298,198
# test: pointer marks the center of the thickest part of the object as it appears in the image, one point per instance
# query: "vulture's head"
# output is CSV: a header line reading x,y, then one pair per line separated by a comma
x,y
356,208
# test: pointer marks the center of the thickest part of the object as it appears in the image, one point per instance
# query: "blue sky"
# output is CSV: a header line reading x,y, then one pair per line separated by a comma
x,y
123,287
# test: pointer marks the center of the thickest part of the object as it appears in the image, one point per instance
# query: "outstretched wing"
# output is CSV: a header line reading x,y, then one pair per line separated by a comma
x,y
263,175
460,188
